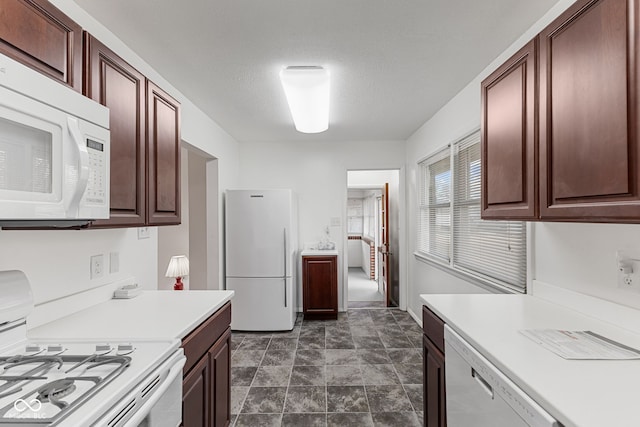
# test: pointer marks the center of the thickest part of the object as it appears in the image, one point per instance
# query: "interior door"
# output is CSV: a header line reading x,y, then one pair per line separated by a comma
x,y
384,244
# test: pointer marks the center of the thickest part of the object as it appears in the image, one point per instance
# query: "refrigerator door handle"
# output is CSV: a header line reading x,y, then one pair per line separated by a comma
x,y
285,265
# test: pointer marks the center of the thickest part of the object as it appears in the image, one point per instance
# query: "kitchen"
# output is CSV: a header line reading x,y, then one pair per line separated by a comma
x,y
573,256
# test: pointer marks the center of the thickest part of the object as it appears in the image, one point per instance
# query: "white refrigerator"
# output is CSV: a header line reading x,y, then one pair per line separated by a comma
x,y
260,249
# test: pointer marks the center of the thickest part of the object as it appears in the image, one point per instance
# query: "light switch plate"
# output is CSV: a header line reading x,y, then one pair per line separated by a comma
x,y
114,262
335,221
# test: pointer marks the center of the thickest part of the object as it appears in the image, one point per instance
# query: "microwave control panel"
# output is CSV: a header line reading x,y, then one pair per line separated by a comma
x,y
96,186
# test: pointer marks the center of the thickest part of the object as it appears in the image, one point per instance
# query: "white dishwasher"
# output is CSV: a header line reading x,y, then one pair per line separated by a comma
x,y
479,395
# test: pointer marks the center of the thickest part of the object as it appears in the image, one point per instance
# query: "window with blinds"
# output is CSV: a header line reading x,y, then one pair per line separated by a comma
x,y
434,237
494,251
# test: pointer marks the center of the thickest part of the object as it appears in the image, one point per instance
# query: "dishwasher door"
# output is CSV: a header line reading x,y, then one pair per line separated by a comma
x,y
479,395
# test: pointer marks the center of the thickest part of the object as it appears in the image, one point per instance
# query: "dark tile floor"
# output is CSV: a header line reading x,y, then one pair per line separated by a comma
x,y
364,369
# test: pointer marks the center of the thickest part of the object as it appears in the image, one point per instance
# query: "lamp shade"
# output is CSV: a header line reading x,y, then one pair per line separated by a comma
x,y
307,91
178,266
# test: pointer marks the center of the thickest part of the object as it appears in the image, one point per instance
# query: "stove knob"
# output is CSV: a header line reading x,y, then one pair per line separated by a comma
x,y
125,349
103,348
55,348
33,348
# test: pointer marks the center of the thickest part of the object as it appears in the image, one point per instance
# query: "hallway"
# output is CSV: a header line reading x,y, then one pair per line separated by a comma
x,y
363,292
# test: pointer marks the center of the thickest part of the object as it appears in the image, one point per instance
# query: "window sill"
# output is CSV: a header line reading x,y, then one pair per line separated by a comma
x,y
464,275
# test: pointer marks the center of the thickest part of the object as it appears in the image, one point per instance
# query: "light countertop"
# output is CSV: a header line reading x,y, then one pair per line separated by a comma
x,y
319,252
152,314
591,393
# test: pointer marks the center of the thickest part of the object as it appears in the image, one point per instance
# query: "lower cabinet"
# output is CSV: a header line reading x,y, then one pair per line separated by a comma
x,y
220,374
435,412
206,387
196,395
320,287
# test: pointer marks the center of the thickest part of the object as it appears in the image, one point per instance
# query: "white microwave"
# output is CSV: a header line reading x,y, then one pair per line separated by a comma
x,y
54,152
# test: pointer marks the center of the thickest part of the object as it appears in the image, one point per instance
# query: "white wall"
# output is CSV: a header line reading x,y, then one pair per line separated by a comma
x,y
580,257
354,256
174,239
57,262
317,173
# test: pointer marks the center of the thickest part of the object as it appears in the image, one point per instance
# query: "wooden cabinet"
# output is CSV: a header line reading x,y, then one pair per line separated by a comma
x,y
434,399
220,374
163,149
320,286
508,156
196,392
206,385
112,82
587,120
589,114
145,140
37,34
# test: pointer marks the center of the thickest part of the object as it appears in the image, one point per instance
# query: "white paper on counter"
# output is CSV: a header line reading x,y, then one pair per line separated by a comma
x,y
580,345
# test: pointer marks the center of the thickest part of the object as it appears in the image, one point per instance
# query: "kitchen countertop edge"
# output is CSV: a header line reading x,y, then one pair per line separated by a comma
x,y
490,323
151,315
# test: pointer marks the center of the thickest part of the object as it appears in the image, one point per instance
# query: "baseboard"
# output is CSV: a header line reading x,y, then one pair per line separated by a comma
x,y
415,316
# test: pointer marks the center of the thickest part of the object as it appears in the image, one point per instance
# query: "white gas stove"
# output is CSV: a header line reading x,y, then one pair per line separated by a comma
x,y
82,383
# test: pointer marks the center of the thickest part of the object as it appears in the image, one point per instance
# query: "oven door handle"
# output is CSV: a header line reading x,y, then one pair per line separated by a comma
x,y
144,410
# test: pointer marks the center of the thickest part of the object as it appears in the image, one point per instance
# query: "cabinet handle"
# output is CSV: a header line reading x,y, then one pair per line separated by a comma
x,y
483,383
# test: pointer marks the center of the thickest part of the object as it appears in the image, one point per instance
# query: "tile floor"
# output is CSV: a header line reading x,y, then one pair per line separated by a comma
x,y
364,369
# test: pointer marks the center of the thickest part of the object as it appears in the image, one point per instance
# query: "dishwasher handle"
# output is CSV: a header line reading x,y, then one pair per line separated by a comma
x,y
482,382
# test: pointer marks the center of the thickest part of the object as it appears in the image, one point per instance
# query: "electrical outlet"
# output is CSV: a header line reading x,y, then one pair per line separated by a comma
x,y
143,233
628,271
97,266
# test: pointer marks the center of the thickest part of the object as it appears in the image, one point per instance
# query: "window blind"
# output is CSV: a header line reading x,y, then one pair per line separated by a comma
x,y
495,250
434,222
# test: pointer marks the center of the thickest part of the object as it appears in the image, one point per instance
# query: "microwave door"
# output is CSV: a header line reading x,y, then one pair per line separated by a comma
x,y
32,159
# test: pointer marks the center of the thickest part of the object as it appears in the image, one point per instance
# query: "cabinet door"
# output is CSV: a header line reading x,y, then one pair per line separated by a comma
x,y
589,147
508,139
37,34
435,413
112,82
163,149
320,293
196,391
220,365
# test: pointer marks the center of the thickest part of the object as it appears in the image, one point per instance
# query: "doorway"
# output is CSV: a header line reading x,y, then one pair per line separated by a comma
x,y
197,235
372,229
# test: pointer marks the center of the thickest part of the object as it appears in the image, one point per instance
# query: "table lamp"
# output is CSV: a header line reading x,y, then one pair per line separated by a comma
x,y
178,268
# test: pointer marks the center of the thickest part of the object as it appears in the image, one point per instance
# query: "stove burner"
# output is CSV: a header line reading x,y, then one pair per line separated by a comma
x,y
55,390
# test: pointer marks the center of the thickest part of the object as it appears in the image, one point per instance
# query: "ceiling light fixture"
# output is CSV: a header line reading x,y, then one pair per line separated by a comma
x,y
307,91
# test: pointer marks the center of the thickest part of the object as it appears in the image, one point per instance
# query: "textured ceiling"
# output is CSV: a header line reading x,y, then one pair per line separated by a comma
x,y
393,63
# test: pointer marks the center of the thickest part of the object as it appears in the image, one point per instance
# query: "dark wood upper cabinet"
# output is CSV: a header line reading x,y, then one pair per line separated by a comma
x,y
163,157
37,34
112,82
589,119
508,138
